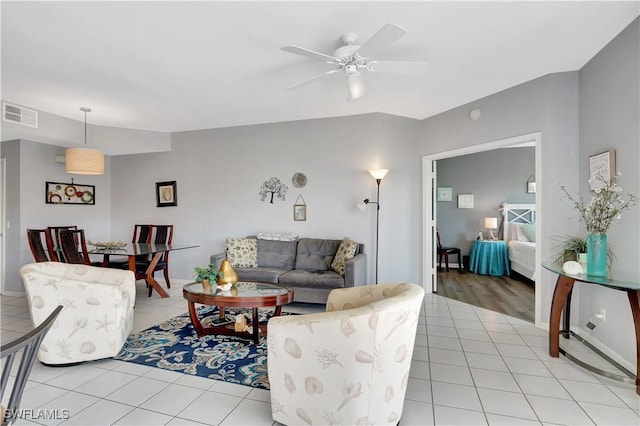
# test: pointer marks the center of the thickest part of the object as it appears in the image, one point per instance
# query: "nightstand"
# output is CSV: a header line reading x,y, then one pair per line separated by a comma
x,y
490,257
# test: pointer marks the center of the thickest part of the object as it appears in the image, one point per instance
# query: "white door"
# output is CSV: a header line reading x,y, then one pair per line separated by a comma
x,y
430,276
2,183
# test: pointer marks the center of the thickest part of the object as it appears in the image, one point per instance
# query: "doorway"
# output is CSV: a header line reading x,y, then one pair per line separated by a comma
x,y
2,221
429,164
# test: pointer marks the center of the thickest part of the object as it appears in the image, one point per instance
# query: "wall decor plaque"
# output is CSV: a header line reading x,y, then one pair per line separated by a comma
x,y
602,167
69,193
167,194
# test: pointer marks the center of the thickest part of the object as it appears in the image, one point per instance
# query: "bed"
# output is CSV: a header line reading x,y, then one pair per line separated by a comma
x,y
520,235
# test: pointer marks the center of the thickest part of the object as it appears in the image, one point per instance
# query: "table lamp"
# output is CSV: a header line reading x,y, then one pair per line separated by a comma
x,y
491,223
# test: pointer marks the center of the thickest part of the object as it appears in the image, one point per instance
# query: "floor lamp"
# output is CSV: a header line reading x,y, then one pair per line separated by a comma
x,y
377,175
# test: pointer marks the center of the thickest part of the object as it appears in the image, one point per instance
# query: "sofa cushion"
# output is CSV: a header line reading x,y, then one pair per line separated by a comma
x,y
316,254
242,252
311,279
261,274
277,254
346,251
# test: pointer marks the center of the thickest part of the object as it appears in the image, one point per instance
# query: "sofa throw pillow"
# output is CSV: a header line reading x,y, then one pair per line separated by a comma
x,y
242,252
346,251
530,231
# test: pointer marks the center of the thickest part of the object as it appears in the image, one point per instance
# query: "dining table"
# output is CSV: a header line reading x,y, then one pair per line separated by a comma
x,y
132,250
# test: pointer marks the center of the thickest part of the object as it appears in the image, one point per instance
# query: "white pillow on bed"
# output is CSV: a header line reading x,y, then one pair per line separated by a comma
x,y
518,233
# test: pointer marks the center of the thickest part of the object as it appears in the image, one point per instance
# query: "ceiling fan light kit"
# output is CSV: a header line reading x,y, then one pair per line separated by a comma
x,y
353,59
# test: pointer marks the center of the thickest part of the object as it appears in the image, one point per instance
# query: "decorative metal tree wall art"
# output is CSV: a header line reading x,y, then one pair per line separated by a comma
x,y
272,187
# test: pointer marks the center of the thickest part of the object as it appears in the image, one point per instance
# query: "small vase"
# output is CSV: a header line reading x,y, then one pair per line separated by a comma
x,y
206,285
597,255
582,260
228,275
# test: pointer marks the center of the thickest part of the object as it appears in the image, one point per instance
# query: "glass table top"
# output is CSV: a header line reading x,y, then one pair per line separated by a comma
x,y
240,289
612,280
140,249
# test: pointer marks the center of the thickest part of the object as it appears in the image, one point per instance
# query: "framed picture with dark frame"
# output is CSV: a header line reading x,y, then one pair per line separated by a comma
x,y
70,193
167,194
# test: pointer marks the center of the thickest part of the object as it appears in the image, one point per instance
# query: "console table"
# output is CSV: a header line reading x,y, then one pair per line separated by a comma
x,y
489,257
562,302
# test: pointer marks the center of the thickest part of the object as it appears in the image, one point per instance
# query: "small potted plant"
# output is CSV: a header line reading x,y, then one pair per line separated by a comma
x,y
575,248
570,248
206,275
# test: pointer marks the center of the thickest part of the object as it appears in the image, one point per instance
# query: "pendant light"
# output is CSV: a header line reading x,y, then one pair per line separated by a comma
x,y
84,161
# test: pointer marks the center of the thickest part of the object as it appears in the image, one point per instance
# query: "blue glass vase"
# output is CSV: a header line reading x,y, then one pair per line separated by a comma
x,y
597,255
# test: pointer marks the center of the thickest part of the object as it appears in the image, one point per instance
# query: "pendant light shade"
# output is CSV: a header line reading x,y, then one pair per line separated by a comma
x,y
84,161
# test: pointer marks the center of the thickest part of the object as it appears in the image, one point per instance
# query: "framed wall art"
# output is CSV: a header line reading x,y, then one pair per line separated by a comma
x,y
465,201
69,193
444,194
602,167
300,209
166,194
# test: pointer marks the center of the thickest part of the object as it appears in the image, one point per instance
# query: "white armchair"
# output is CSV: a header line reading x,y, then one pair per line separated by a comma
x,y
349,365
98,309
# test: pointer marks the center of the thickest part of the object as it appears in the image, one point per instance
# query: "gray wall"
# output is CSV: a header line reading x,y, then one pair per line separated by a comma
x,y
493,177
29,166
10,151
65,132
548,105
219,173
609,119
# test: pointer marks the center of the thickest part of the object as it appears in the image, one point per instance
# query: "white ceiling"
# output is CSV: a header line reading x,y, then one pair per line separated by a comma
x,y
175,66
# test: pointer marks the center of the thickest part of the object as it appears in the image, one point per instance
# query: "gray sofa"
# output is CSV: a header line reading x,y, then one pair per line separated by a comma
x,y
303,265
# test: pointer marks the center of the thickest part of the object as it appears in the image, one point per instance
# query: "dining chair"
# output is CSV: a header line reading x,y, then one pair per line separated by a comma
x,y
74,247
29,344
141,235
41,244
56,254
445,252
158,234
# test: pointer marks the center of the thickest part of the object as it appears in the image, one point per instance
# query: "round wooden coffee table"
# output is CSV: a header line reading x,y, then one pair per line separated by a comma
x,y
244,294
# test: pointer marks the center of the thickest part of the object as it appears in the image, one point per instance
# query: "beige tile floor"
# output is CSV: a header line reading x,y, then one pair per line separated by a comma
x,y
470,366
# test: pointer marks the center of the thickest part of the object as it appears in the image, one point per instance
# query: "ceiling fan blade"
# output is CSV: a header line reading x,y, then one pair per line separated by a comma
x,y
311,80
309,53
384,37
398,67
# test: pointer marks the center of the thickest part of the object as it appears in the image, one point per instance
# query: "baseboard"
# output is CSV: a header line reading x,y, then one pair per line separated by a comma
x,y
604,349
14,293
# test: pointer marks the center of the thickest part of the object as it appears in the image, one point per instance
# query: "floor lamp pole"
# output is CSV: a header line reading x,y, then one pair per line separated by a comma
x,y
377,225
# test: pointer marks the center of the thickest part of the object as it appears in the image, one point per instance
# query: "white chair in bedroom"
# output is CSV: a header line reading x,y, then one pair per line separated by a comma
x,y
348,365
98,309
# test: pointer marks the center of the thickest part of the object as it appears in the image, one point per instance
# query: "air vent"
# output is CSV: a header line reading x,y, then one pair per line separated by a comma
x,y
19,115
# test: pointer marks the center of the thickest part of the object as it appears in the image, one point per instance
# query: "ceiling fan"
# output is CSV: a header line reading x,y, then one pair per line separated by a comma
x,y
353,59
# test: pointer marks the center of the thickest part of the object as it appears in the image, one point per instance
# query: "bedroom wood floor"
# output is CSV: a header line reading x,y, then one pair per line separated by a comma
x,y
501,294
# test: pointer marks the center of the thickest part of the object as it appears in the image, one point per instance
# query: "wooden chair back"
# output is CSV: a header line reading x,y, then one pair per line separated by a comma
x,y
141,234
41,245
56,254
74,246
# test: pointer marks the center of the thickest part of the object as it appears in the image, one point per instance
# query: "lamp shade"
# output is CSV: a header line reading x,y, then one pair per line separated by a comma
x,y
379,174
491,222
356,85
84,161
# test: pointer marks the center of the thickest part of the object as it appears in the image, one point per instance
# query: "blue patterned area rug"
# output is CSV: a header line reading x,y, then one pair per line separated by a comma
x,y
174,345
